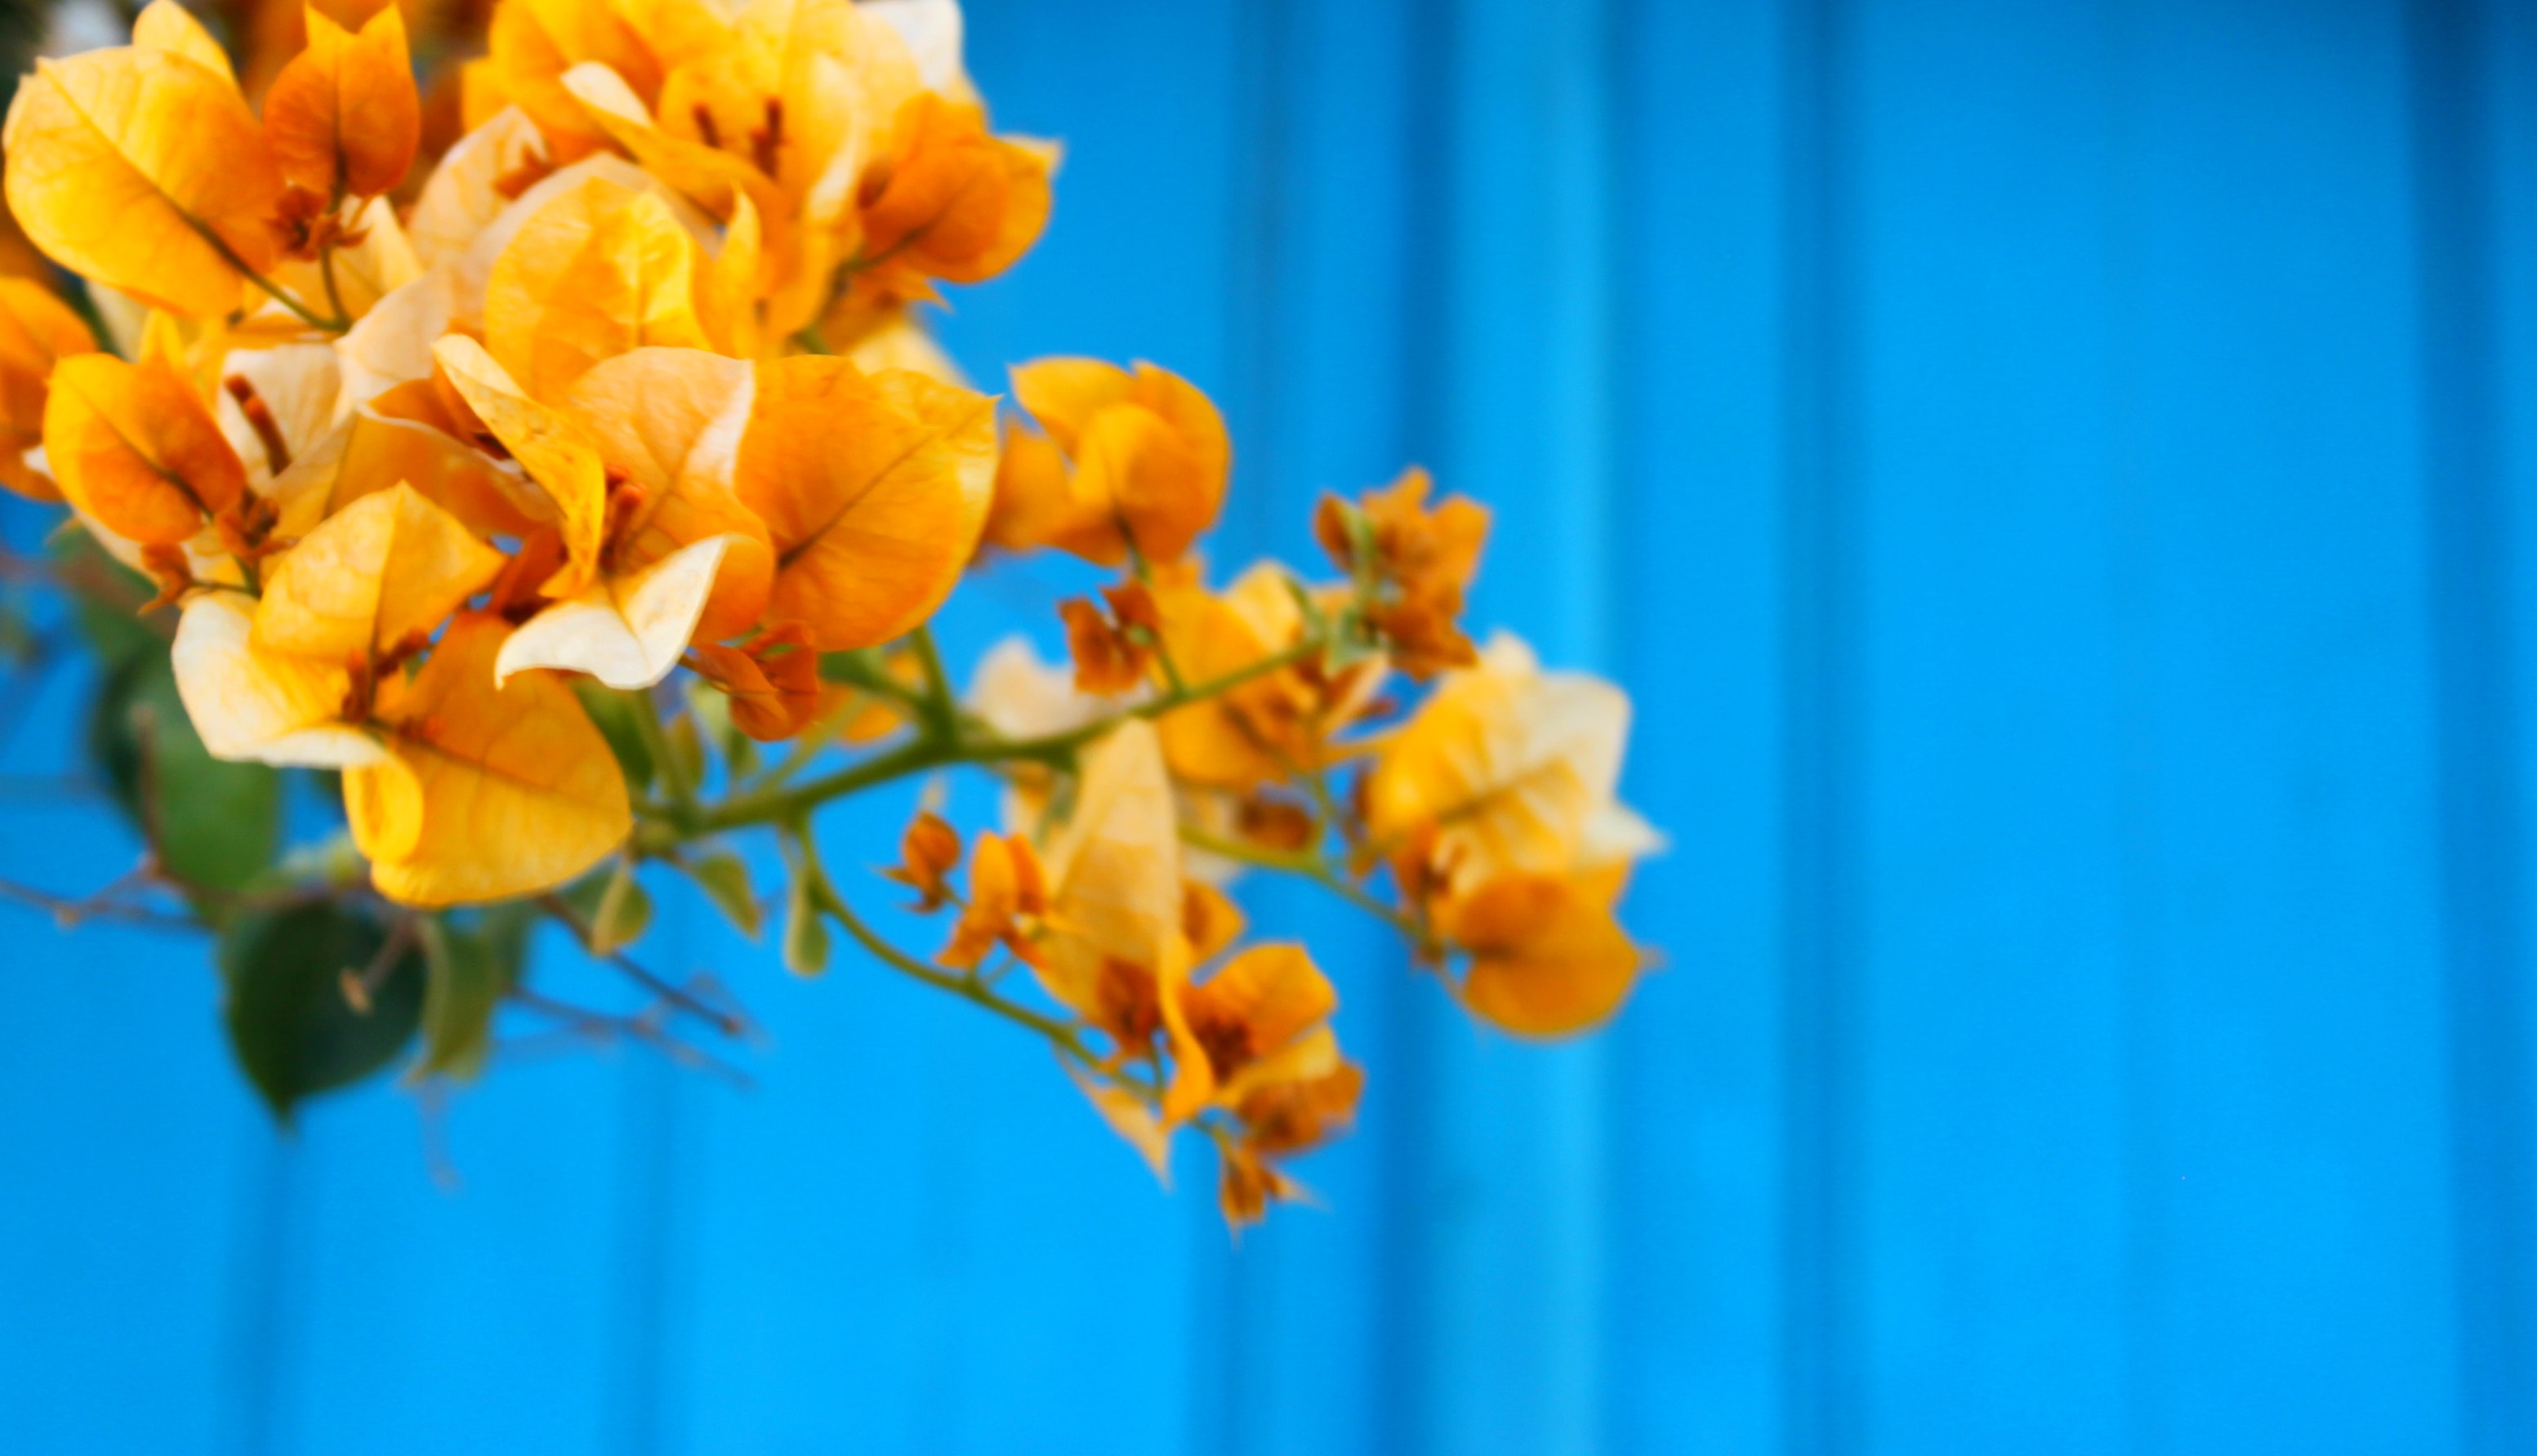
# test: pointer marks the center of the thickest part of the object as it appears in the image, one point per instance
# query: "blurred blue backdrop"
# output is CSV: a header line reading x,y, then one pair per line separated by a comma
x,y
2055,478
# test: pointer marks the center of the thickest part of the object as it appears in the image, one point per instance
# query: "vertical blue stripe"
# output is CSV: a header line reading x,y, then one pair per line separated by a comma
x,y
1407,1299
2477,718
2131,524
1821,765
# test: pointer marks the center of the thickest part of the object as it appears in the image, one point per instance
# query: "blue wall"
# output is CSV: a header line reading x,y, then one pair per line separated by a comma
x,y
2057,479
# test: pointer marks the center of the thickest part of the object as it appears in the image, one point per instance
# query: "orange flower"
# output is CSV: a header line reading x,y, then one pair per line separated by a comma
x,y
1254,1041
951,199
927,851
1418,562
872,487
1279,1120
35,329
136,449
1547,959
1149,461
1112,652
343,113
1261,1019
635,470
484,792
1506,769
1008,897
141,167
1271,728
457,789
773,684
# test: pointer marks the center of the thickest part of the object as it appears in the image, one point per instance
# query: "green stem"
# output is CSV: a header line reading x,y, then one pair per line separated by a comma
x,y
334,294
913,757
944,748
229,255
940,709
967,987
665,761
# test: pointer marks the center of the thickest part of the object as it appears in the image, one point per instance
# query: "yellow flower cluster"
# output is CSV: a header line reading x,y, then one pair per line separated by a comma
x,y
630,382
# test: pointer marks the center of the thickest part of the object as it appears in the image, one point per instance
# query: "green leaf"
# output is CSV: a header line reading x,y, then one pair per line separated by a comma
x,y
614,714
293,1029
805,935
472,966
687,751
215,826
724,877
623,913
106,596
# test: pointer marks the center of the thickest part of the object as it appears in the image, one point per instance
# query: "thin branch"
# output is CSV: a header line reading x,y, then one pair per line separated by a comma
x,y
642,1027
71,913
935,750
966,985
728,1021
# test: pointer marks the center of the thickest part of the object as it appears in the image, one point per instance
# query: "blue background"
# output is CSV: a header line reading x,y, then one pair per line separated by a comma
x,y
2056,478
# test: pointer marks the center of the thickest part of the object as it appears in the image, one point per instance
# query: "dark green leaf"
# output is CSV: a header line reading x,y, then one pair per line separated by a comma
x,y
614,713
687,751
622,914
472,964
104,595
295,1031
215,826
724,879
806,935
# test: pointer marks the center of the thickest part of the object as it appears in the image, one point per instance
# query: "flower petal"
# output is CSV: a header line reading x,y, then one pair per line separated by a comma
x,y
383,572
873,490
599,270
627,631
1509,765
260,706
134,446
343,111
493,791
1114,871
121,162
550,445
673,419
1547,957
475,181
165,25
35,329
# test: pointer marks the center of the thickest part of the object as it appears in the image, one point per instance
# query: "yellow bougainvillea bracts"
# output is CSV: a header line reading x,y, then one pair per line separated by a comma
x,y
550,455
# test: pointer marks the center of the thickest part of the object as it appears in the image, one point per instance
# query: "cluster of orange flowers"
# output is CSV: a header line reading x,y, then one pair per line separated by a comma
x,y
446,488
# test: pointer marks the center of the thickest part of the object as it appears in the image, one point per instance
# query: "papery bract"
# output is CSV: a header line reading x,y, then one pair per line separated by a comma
x,y
485,792
1507,768
873,488
1150,457
35,329
134,446
343,113
1547,957
376,580
144,169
